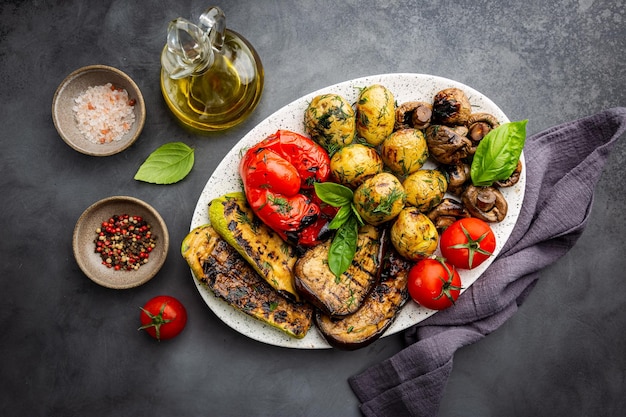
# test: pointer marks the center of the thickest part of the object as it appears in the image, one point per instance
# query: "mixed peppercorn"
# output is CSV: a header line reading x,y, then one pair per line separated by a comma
x,y
124,242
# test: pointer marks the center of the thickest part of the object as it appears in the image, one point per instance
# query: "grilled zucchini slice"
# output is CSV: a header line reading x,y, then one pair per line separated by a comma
x,y
218,266
264,249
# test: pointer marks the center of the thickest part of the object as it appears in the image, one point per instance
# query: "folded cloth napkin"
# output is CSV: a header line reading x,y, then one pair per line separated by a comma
x,y
563,165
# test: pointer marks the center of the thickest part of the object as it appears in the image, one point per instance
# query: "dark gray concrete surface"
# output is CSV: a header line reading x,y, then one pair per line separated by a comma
x,y
71,348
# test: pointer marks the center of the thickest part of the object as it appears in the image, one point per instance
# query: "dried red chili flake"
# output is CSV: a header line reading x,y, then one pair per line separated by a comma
x,y
124,242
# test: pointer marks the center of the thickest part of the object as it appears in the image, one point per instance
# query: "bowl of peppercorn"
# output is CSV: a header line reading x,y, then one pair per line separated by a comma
x,y
120,242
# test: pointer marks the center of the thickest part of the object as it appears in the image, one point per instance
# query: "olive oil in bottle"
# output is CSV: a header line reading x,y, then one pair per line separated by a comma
x,y
211,77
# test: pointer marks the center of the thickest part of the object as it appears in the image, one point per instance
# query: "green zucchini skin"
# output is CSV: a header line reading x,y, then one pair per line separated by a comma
x,y
264,249
218,266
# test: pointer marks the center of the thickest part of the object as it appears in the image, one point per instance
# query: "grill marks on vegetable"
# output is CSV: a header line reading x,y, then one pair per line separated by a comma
x,y
217,265
262,247
377,312
276,175
345,294
266,256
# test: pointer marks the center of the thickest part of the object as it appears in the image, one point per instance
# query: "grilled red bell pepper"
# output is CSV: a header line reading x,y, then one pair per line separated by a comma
x,y
276,174
311,235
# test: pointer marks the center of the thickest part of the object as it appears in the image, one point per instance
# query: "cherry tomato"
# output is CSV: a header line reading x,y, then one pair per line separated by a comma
x,y
163,317
434,284
467,243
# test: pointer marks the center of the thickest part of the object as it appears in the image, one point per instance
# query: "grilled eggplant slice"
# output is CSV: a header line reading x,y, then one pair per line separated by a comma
x,y
378,311
340,296
223,270
267,253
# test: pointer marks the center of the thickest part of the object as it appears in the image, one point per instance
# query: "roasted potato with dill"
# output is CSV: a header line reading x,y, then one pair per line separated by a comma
x,y
425,189
330,120
414,235
354,163
375,114
379,199
404,151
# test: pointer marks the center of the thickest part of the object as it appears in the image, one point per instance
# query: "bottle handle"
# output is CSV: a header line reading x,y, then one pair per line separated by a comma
x,y
190,48
213,22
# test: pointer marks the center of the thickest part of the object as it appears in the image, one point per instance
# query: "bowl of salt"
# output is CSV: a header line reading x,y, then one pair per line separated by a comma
x,y
98,110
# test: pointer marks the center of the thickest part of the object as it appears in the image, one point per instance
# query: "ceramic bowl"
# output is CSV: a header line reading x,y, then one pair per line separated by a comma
x,y
90,262
73,86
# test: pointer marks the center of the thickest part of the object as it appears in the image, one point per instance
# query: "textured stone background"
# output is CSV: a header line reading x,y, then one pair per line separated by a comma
x,y
70,347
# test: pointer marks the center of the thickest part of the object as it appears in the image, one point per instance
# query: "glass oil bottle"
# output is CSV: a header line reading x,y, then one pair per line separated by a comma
x,y
211,77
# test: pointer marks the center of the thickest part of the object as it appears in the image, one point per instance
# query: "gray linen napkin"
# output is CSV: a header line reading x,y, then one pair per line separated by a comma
x,y
563,165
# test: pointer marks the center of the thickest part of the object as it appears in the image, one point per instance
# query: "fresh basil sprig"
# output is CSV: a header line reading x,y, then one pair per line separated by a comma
x,y
497,153
346,222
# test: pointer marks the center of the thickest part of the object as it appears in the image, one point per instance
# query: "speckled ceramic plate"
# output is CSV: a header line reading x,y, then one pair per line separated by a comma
x,y
405,87
90,262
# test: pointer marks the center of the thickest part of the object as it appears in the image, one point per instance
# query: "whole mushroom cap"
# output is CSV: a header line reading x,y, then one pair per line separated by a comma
x,y
451,107
446,145
485,203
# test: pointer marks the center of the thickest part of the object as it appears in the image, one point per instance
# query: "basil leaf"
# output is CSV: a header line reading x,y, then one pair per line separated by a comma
x,y
168,164
346,222
343,247
357,215
333,194
341,217
497,153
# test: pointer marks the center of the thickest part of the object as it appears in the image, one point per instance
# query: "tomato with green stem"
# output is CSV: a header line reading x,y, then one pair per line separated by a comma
x,y
467,243
434,284
163,317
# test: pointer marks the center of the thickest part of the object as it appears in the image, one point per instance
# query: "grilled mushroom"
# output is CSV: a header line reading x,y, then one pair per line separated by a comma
x,y
460,130
458,176
451,107
513,179
486,203
479,124
446,145
416,114
446,213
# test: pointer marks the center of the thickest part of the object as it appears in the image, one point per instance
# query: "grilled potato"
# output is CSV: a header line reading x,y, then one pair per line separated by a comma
x,y
404,151
380,198
425,189
330,121
375,114
353,164
414,235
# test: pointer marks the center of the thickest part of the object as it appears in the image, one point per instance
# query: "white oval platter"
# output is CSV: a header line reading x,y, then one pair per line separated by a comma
x,y
405,87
